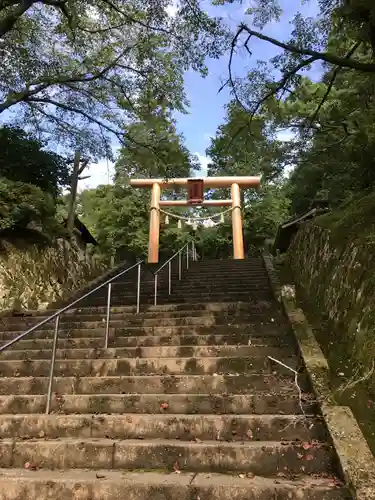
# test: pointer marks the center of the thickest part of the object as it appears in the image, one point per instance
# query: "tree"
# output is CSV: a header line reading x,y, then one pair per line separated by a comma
x,y
341,38
73,70
165,154
238,150
331,120
22,204
23,159
118,215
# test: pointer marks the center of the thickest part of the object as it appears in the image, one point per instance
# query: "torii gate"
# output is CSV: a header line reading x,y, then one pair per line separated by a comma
x,y
196,198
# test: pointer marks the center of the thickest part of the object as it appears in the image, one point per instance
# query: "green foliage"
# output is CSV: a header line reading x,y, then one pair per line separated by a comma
x,y
165,154
23,204
214,242
353,221
331,121
263,216
76,71
244,148
118,217
22,159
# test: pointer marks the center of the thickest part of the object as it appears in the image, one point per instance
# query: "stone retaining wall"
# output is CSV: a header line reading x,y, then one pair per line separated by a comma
x,y
339,283
33,277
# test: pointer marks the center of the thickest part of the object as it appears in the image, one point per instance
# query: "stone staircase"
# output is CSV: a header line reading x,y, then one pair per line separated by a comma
x,y
185,403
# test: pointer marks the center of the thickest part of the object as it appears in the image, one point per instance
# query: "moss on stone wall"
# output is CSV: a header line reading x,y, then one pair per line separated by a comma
x,y
36,276
335,274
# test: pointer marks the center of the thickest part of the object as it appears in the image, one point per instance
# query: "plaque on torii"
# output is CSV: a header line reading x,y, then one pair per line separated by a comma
x,y
196,198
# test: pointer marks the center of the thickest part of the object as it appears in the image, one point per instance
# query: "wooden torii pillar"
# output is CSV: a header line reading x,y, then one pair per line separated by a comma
x,y
196,197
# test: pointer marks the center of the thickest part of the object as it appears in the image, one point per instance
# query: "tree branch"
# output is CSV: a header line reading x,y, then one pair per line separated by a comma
x,y
343,62
7,23
17,97
330,85
120,134
281,84
72,109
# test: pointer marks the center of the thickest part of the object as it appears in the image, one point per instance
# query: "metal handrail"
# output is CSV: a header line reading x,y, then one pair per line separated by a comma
x,y
58,313
169,262
108,283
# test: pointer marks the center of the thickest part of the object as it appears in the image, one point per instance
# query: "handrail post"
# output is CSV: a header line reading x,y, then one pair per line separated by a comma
x,y
179,266
169,277
187,256
155,289
108,316
52,368
138,287
193,246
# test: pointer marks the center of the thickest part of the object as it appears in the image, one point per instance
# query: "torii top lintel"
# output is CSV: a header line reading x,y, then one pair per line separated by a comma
x,y
208,182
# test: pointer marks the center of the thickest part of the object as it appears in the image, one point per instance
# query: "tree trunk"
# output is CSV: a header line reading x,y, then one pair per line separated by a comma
x,y
73,192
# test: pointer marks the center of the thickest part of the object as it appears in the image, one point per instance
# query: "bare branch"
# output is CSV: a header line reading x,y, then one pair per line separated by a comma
x,y
72,109
281,84
342,62
332,81
28,92
101,30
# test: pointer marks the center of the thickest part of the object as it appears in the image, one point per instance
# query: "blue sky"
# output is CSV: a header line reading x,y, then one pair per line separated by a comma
x,y
206,110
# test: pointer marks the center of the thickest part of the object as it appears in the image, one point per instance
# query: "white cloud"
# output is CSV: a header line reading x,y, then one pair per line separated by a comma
x,y
204,161
285,135
100,173
172,9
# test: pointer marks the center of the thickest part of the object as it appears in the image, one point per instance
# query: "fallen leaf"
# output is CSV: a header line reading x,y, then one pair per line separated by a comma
x,y
30,466
99,476
249,434
306,446
242,476
164,406
309,458
300,455
197,440
250,475
176,468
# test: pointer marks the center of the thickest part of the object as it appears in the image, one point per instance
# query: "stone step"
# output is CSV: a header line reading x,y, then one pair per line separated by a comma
x,y
258,403
151,309
145,366
246,320
265,458
150,352
175,298
223,291
223,270
152,318
196,428
119,330
232,283
199,279
97,341
113,485
154,384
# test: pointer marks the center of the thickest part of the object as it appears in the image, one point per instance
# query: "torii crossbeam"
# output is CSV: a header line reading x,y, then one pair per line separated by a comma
x,y
196,198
